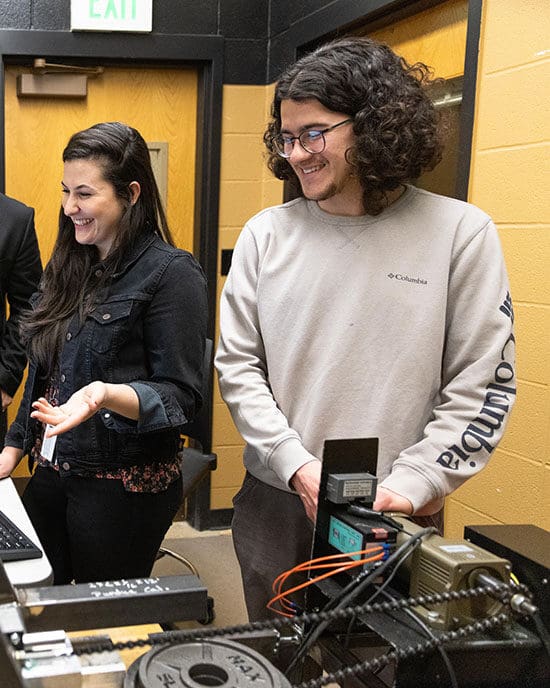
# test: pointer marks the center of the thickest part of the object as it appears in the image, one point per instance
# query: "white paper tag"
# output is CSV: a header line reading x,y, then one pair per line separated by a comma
x,y
48,445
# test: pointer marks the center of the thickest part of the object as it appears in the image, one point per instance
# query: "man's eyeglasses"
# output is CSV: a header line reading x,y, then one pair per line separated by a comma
x,y
312,140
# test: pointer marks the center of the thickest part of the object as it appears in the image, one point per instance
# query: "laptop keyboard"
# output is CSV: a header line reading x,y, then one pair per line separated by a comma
x,y
14,544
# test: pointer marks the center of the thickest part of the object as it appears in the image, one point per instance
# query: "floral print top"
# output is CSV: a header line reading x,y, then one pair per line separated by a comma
x,y
151,477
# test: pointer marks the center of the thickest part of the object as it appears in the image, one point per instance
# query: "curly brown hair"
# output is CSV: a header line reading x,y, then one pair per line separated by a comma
x,y
396,126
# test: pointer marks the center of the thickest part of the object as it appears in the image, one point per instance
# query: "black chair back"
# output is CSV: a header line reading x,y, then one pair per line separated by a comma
x,y
199,429
197,459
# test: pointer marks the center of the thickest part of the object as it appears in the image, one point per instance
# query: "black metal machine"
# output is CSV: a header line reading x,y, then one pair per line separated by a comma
x,y
434,612
404,607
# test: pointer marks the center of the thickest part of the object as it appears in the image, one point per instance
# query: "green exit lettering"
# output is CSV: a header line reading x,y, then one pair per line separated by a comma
x,y
113,9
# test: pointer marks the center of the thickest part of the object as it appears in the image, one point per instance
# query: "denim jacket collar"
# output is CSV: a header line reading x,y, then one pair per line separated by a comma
x,y
142,244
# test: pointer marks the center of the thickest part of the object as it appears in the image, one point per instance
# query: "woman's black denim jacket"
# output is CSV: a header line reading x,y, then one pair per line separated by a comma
x,y
148,332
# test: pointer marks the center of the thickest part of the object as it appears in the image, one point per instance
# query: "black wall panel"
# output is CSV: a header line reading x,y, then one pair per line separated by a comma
x,y
15,15
50,15
299,9
261,36
239,19
186,16
279,20
245,61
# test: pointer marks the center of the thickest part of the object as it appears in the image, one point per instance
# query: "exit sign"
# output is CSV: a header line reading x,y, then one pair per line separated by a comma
x,y
112,15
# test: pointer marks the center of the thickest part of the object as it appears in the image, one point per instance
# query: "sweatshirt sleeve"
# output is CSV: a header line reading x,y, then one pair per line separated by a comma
x,y
243,370
478,385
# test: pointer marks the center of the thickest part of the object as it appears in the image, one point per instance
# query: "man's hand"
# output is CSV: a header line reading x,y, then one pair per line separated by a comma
x,y
6,399
306,482
386,500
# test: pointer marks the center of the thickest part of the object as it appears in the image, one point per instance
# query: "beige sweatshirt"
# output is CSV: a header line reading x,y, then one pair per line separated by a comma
x,y
398,327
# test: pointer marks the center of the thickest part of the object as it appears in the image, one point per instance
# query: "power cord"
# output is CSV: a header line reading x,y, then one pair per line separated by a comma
x,y
381,588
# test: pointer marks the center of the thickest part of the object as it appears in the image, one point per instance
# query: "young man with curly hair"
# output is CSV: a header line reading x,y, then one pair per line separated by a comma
x,y
365,308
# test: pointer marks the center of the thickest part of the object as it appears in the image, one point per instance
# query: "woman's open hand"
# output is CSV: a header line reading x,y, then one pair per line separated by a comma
x,y
81,406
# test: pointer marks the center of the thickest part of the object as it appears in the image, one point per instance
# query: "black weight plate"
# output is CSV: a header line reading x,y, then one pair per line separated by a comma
x,y
209,664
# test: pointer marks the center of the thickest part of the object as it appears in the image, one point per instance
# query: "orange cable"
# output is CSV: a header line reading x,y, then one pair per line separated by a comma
x,y
288,605
280,597
281,578
308,564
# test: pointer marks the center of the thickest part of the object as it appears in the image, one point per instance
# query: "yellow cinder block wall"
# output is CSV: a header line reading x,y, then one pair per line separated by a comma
x,y
509,173
509,180
246,187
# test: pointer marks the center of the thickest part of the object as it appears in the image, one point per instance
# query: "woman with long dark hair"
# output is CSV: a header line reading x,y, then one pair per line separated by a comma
x,y
116,340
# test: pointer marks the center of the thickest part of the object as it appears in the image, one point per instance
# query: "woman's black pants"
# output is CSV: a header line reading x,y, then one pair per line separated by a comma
x,y
93,529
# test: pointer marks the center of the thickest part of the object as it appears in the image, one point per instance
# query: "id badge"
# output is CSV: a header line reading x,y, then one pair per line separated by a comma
x,y
48,445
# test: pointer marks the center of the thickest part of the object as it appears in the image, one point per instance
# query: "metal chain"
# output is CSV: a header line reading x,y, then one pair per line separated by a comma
x,y
174,637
